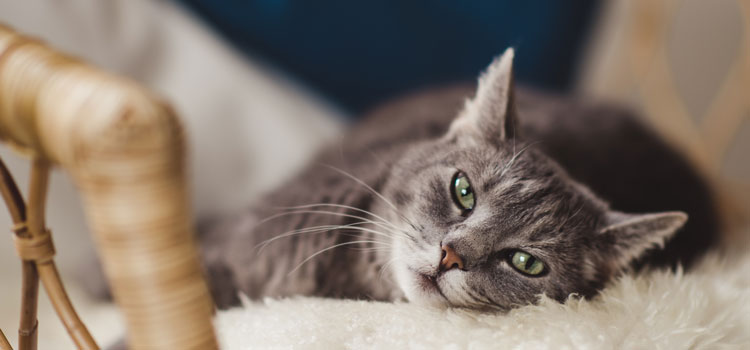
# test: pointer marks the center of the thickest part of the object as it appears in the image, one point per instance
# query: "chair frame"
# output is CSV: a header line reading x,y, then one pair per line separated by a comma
x,y
124,150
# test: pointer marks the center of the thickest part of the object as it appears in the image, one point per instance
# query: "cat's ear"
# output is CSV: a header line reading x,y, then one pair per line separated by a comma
x,y
492,111
628,236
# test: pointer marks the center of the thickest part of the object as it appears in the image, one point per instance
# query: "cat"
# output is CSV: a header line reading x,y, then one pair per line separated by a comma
x,y
479,198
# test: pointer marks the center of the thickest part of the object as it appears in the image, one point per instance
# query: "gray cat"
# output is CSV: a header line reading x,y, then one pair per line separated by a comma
x,y
482,203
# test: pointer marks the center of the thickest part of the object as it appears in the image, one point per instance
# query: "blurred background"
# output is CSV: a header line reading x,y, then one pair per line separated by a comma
x,y
262,85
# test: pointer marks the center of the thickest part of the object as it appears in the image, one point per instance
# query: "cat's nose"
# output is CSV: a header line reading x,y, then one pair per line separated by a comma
x,y
450,259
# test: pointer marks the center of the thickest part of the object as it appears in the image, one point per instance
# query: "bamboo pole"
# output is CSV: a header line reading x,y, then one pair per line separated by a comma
x,y
28,325
12,196
46,266
27,329
28,230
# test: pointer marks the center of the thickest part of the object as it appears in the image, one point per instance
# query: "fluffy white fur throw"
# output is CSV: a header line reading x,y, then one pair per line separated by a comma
x,y
707,308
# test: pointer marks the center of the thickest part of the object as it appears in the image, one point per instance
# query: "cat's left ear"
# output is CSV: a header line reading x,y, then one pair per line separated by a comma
x,y
492,111
628,236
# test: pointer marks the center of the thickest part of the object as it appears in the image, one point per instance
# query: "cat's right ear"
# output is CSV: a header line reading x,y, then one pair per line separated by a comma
x,y
492,111
626,237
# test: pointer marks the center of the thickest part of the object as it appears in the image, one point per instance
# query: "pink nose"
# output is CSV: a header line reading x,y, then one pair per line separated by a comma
x,y
450,259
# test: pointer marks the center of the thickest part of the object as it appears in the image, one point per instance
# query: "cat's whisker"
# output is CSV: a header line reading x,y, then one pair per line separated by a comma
x,y
314,205
486,301
330,248
385,266
372,249
493,306
312,229
323,228
483,306
352,232
571,217
376,223
516,155
514,139
476,298
269,218
468,297
286,213
368,230
378,217
475,301
373,191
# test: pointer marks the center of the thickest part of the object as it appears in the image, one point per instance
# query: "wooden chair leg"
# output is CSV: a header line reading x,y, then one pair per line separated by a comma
x,y
45,265
34,245
27,329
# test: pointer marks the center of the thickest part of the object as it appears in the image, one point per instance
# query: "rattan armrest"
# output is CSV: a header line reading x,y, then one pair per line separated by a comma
x,y
124,149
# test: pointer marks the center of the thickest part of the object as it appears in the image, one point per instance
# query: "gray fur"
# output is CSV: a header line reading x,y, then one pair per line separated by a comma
x,y
382,199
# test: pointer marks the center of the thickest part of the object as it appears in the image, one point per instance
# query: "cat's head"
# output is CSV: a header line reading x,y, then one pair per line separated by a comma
x,y
494,223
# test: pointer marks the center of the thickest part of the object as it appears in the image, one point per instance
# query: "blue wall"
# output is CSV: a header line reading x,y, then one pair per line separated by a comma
x,y
361,52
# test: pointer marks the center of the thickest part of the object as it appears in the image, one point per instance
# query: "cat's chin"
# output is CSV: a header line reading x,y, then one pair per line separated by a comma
x,y
428,292
427,297
420,288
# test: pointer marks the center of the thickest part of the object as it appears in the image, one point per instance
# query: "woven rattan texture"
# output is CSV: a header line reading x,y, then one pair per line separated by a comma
x,y
124,150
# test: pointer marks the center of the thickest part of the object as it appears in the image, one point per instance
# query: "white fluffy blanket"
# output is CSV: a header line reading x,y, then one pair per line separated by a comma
x,y
707,308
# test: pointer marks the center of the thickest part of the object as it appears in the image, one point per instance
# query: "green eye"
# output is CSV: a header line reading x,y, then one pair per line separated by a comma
x,y
526,263
463,195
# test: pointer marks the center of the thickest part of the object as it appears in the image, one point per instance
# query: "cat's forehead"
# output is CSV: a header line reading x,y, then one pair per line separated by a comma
x,y
520,188
509,162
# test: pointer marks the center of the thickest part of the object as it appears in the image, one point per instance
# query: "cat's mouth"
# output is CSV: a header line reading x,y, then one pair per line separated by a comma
x,y
429,284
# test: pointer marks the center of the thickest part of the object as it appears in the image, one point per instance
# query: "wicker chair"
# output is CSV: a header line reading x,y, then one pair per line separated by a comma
x,y
124,149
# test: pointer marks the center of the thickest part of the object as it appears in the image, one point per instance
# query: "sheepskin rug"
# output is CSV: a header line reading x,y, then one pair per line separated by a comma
x,y
707,308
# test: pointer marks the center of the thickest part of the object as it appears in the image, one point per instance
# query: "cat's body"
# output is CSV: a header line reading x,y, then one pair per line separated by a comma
x,y
411,142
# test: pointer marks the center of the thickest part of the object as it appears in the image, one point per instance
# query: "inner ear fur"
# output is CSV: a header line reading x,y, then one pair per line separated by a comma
x,y
491,113
630,235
